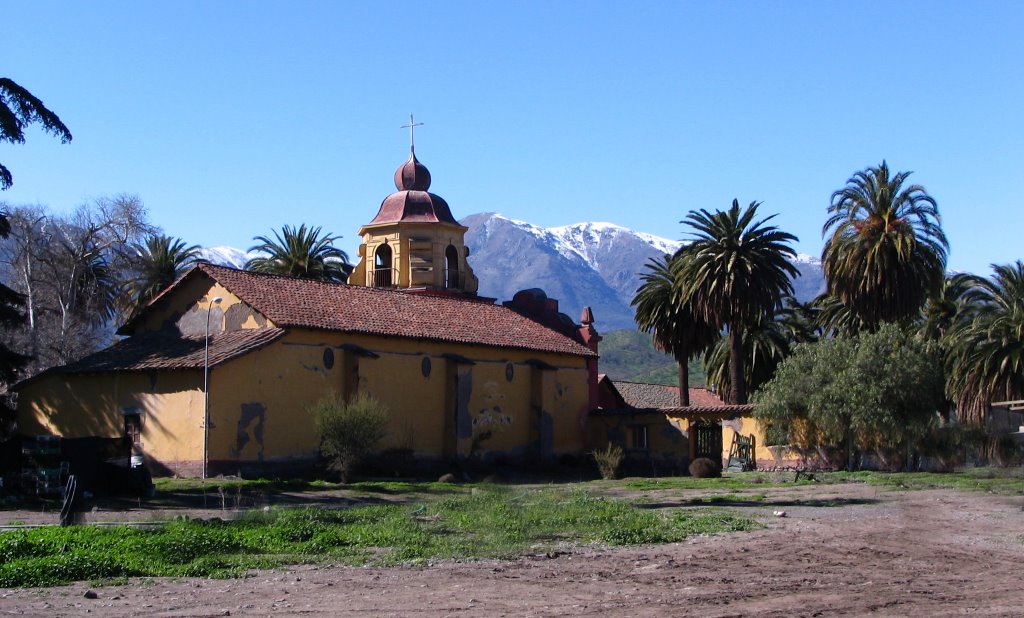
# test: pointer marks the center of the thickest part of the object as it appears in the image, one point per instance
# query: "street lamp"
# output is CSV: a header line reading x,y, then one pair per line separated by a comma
x,y
206,387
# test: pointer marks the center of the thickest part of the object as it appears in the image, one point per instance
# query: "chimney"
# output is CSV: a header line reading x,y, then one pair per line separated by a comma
x,y
591,339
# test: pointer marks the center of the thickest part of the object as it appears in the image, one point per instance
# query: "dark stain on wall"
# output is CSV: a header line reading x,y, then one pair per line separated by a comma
x,y
546,431
463,391
250,428
193,323
238,314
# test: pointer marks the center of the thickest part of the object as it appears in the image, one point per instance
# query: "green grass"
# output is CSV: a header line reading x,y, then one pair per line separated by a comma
x,y
196,486
476,523
728,481
1006,481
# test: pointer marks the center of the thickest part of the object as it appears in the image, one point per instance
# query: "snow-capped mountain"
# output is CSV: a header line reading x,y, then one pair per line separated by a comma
x,y
224,256
595,264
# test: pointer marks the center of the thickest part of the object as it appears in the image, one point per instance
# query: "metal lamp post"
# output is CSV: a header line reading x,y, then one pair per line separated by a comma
x,y
206,387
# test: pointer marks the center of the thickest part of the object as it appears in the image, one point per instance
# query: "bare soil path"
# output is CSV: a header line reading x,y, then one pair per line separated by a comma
x,y
841,550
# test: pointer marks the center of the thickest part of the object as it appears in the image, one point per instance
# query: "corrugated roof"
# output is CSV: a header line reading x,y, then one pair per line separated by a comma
x,y
288,301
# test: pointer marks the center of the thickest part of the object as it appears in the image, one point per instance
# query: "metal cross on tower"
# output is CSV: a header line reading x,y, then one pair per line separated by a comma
x,y
412,137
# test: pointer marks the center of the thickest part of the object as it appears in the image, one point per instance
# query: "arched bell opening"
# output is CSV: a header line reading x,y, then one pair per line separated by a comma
x,y
452,280
383,267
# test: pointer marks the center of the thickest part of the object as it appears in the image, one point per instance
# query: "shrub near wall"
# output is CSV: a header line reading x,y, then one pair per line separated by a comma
x,y
349,430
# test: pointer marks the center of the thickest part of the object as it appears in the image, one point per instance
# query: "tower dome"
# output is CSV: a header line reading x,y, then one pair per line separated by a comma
x,y
412,175
412,202
414,243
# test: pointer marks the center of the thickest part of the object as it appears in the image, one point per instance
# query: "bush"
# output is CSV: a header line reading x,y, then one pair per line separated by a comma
x,y
348,430
609,460
704,468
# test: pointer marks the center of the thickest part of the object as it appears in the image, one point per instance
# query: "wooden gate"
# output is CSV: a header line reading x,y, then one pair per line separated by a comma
x,y
707,440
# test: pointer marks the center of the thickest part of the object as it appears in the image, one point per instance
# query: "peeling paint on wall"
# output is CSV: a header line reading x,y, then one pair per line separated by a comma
x,y
240,316
250,429
193,323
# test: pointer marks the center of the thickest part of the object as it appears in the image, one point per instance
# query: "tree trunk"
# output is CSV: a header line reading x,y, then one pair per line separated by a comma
x,y
738,386
849,449
684,381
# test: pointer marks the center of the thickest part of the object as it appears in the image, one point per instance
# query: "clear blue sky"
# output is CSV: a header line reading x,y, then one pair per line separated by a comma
x,y
230,119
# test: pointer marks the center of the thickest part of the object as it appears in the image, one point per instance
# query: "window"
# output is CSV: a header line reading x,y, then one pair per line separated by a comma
x,y
639,436
133,428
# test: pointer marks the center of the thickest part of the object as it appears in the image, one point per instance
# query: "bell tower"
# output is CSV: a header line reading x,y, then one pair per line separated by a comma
x,y
414,242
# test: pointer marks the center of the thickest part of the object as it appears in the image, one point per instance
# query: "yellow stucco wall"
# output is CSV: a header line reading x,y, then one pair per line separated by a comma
x,y
667,440
668,437
531,404
170,404
259,402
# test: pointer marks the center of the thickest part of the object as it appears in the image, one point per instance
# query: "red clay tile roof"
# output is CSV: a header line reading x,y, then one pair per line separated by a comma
x,y
288,301
724,411
642,395
641,398
161,350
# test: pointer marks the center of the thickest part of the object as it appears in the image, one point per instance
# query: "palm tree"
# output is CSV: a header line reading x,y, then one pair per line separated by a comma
x,y
834,319
985,358
661,311
735,273
765,344
885,252
949,306
157,263
301,252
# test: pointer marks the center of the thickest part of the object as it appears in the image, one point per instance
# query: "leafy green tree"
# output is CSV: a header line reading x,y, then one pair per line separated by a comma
x,y
301,252
874,391
985,358
885,252
18,107
662,311
156,264
736,272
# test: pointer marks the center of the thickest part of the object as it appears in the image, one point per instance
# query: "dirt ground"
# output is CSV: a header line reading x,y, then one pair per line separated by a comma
x,y
840,550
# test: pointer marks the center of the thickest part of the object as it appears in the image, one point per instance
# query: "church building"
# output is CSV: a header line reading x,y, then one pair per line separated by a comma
x,y
217,374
